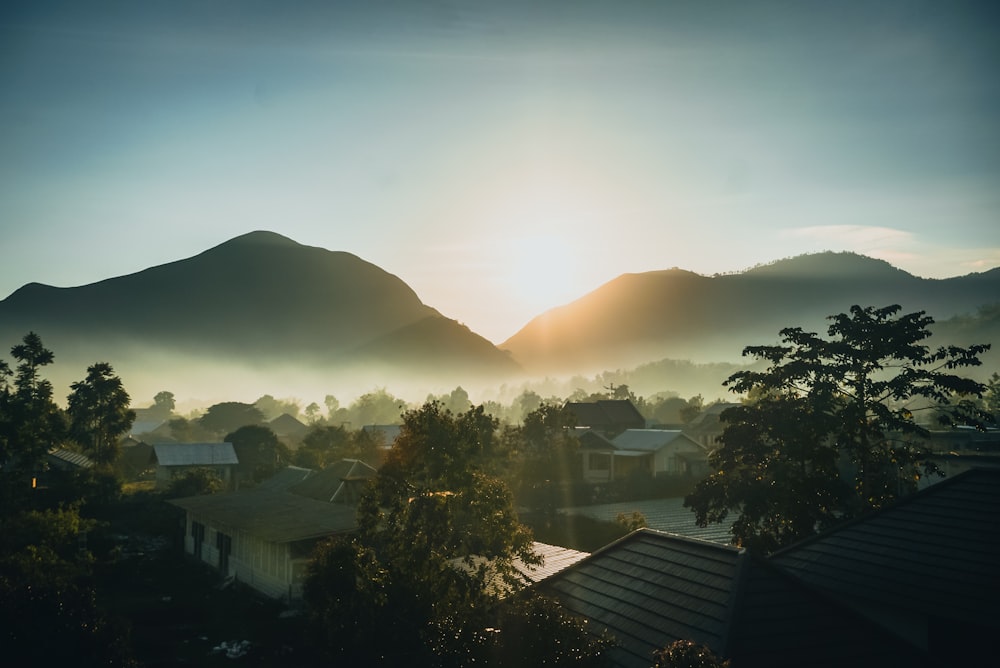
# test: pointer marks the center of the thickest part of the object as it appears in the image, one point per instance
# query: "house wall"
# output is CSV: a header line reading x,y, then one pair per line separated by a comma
x,y
263,565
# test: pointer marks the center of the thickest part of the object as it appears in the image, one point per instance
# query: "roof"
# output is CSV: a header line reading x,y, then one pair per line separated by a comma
x,y
650,589
274,516
667,515
195,454
288,425
70,458
334,483
285,478
606,413
652,440
934,553
554,559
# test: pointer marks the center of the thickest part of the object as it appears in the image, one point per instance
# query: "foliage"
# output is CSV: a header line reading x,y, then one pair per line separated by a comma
x,y
99,413
633,521
194,482
30,421
432,508
827,407
48,609
271,408
686,654
229,416
163,405
323,445
258,450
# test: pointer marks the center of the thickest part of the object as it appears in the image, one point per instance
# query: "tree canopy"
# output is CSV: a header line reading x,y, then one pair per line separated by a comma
x,y
830,428
99,412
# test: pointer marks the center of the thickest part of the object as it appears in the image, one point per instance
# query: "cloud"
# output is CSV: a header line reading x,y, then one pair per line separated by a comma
x,y
860,238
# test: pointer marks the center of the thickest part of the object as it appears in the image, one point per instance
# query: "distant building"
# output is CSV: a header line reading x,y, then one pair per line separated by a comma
x,y
655,452
264,537
607,416
172,460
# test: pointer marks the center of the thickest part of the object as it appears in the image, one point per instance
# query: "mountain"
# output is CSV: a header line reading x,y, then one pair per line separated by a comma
x,y
678,314
259,301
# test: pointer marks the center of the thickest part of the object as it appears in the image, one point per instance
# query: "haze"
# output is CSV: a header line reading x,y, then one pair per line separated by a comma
x,y
501,158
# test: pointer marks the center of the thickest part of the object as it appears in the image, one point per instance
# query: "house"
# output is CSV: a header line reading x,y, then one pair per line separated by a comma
x,y
925,567
650,589
264,537
914,584
606,416
174,459
708,426
654,452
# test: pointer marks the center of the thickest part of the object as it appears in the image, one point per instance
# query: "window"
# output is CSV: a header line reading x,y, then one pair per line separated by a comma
x,y
600,462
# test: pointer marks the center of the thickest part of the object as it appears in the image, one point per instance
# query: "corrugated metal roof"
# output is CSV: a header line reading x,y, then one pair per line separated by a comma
x,y
72,458
554,559
667,515
195,454
274,516
936,552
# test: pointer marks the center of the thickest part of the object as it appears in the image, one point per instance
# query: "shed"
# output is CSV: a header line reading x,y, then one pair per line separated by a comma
x,y
173,459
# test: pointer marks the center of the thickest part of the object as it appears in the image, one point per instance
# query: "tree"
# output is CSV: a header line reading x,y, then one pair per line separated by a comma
x,y
163,405
31,421
230,416
686,654
829,410
431,506
98,408
258,450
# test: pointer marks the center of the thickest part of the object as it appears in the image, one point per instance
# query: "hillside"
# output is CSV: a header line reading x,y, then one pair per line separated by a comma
x,y
259,301
681,315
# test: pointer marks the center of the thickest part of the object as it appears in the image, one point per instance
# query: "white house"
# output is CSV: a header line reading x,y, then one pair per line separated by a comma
x,y
653,451
264,537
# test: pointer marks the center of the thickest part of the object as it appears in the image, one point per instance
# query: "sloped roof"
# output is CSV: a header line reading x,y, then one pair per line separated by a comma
x,y
935,552
70,458
554,559
650,589
652,440
288,425
335,483
285,478
274,516
195,454
605,413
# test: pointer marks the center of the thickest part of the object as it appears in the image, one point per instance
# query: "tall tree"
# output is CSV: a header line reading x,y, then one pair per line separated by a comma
x,y
431,506
830,408
230,416
98,408
32,422
259,451
163,405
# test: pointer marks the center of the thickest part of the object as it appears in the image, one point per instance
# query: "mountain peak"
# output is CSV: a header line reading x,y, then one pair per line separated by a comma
x,y
261,238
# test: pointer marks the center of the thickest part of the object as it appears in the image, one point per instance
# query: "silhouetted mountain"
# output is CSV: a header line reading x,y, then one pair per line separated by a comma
x,y
259,300
678,314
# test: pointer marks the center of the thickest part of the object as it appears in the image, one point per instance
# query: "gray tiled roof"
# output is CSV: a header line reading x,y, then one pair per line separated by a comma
x,y
936,553
650,589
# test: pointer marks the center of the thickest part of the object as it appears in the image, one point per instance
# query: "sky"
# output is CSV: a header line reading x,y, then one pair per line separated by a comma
x,y
502,158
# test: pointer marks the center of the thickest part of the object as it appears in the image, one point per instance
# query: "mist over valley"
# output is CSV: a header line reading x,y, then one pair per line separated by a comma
x,y
262,314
